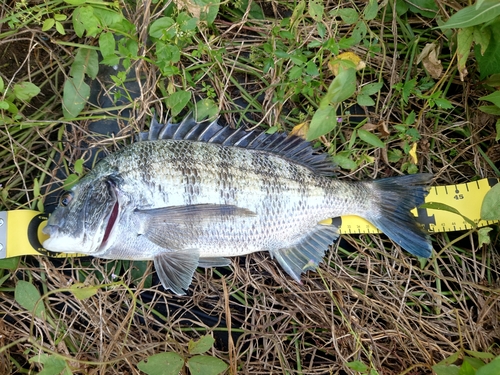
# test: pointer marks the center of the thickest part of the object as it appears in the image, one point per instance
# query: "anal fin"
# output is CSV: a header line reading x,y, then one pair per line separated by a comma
x,y
308,253
176,269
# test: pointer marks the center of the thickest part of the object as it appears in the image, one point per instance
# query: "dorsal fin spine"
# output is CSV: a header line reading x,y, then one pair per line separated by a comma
x,y
290,147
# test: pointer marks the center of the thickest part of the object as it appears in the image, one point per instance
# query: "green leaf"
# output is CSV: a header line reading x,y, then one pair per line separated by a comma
x,y
490,208
186,22
312,69
48,23
492,368
445,207
484,236
2,85
371,88
60,17
371,10
466,369
324,121
86,62
167,53
162,364
52,365
10,107
489,62
446,369
490,109
210,12
177,101
107,44
137,270
364,100
492,98
60,28
348,15
472,15
160,26
476,362
443,103
451,359
27,295
25,90
370,138
78,167
75,2
85,20
70,181
343,85
426,8
205,109
394,155
36,187
9,263
295,73
206,365
316,9
482,36
75,96
201,346
108,17
493,81
4,277
256,11
408,89
82,292
78,25
343,160
357,366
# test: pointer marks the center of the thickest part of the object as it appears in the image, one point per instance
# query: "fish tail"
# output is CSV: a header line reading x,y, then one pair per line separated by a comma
x,y
396,197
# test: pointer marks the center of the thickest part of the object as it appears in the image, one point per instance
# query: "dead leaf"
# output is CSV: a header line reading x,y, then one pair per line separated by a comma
x,y
191,7
300,130
413,153
348,56
430,61
370,126
383,128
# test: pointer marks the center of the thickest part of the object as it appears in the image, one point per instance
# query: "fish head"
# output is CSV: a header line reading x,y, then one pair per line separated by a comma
x,y
85,218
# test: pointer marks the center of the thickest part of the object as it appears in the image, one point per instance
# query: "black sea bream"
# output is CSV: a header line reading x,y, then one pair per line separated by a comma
x,y
192,194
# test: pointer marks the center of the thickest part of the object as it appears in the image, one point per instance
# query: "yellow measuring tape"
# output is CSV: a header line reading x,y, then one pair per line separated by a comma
x,y
21,230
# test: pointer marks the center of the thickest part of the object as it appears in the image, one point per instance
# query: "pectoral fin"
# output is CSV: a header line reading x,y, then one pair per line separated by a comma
x,y
198,212
157,224
176,268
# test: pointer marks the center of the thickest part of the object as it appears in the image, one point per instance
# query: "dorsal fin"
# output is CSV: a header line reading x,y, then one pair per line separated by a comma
x,y
290,147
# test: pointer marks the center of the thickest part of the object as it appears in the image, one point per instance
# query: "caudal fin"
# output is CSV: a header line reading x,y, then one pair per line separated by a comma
x,y
397,196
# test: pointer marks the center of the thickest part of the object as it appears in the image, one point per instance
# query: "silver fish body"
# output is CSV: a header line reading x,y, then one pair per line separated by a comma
x,y
193,194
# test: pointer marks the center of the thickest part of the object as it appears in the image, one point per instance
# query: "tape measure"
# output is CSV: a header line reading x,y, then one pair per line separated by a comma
x,y
21,230
464,198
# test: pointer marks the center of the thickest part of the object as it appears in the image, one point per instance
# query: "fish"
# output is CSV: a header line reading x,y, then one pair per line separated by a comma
x,y
193,194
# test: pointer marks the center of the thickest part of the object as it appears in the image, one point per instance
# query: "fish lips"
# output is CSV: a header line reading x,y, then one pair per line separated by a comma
x,y
60,241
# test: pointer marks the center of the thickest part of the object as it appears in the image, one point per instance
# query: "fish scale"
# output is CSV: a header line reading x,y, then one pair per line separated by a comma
x,y
192,194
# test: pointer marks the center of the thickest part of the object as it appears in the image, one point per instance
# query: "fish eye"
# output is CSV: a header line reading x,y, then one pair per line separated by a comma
x,y
66,198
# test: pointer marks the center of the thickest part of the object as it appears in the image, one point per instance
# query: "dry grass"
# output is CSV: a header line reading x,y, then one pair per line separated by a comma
x,y
370,301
